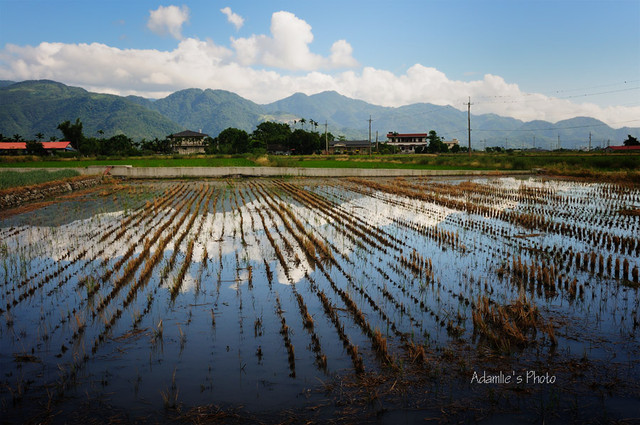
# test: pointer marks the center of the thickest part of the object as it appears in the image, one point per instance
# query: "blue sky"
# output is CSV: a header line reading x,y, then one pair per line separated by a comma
x,y
527,59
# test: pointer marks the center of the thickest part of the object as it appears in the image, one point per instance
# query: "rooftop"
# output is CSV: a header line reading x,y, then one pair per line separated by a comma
x,y
624,148
23,145
189,133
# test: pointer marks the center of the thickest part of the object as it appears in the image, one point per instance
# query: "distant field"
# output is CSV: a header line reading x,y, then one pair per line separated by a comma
x,y
571,162
14,179
136,162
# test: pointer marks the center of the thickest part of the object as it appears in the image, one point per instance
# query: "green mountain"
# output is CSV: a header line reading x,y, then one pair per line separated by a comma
x,y
330,106
209,111
32,107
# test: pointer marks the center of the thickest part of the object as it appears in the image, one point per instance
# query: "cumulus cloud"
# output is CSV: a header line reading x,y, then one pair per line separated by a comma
x,y
235,19
153,73
288,47
341,55
168,20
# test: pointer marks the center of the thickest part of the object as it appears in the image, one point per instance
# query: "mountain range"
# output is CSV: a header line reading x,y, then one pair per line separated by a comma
x,y
31,107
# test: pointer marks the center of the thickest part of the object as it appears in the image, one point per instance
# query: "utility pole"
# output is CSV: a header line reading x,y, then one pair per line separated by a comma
x,y
369,135
469,122
589,141
506,143
377,147
326,139
558,141
534,142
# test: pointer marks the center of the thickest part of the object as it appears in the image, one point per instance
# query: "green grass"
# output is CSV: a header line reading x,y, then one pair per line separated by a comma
x,y
570,161
137,162
477,161
14,178
333,163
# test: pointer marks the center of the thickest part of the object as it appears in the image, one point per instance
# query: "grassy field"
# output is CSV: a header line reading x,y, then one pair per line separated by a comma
x,y
136,162
567,163
14,179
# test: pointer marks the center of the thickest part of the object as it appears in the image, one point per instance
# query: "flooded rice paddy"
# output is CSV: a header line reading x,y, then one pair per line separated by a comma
x,y
362,299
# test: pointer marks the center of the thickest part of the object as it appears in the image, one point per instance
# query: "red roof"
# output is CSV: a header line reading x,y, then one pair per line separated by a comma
x,y
23,145
13,145
624,148
56,145
407,135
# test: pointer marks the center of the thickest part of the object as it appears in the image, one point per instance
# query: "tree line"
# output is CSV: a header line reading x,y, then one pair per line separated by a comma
x,y
267,135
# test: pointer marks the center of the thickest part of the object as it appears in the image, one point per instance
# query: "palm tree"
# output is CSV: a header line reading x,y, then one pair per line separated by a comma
x,y
17,137
101,132
39,136
302,121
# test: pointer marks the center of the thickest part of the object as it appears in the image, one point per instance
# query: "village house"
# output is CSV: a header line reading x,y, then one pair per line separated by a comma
x,y
349,146
188,141
410,142
451,143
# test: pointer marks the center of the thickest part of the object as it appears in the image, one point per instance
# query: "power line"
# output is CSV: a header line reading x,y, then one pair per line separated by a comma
x,y
556,92
553,99
599,93
369,134
597,87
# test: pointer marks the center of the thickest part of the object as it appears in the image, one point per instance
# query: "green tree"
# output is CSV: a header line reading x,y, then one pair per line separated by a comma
x,y
117,145
631,141
304,142
35,148
73,133
157,146
385,149
271,133
232,140
39,136
435,143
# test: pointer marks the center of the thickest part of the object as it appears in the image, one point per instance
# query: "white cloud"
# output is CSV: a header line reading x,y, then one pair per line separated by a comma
x,y
168,20
341,55
288,47
204,64
234,18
